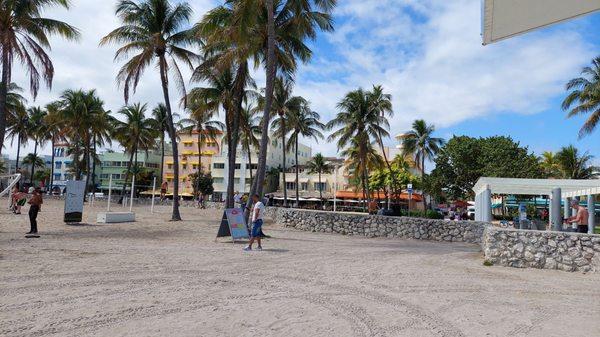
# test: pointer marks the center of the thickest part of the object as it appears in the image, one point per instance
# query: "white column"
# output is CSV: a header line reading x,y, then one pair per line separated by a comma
x,y
132,189
592,211
109,193
335,187
555,210
153,190
487,205
567,208
477,207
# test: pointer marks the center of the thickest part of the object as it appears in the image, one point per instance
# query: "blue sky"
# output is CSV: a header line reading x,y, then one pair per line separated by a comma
x,y
426,53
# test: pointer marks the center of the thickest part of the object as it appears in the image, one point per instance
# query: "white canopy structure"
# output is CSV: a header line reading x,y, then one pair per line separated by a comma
x,y
556,189
503,19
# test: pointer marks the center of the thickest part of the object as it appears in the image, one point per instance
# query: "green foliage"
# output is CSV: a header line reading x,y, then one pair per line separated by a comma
x,y
202,182
574,165
584,97
487,263
463,160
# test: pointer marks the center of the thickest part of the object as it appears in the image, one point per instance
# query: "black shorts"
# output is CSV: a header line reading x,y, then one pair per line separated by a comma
x,y
582,228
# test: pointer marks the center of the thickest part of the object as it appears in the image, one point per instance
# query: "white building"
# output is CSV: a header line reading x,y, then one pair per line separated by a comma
x,y
62,163
220,168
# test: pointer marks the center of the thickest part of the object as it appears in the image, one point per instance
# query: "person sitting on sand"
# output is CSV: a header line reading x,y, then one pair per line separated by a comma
x,y
20,198
36,202
257,222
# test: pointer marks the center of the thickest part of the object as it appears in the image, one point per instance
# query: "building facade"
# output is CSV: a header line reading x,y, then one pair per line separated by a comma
x,y
115,164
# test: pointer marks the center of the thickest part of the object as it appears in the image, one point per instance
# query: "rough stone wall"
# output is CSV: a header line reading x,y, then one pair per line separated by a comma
x,y
542,249
379,226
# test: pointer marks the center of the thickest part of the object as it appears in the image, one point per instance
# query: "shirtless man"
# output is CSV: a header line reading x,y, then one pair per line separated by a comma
x,y
581,218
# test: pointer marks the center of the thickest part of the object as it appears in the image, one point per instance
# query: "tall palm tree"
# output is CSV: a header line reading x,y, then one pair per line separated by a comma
x,y
34,161
249,133
18,119
136,133
25,38
37,132
206,129
575,165
361,160
318,165
358,125
584,97
101,132
159,114
420,144
550,164
54,132
154,30
283,104
303,123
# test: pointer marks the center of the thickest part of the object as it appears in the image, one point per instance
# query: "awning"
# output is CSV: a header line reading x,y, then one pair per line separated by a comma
x,y
377,195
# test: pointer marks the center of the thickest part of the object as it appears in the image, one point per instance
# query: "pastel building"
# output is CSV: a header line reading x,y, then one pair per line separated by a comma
x,y
115,164
62,166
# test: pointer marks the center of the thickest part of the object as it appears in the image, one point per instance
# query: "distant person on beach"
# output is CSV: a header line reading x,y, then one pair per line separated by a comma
x,y
581,218
237,199
19,200
163,190
36,202
373,207
257,221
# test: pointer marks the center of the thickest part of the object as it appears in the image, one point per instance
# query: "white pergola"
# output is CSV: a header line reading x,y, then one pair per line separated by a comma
x,y
556,189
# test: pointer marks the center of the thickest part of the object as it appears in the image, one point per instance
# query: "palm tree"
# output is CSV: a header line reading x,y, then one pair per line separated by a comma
x,y
37,132
358,125
18,119
318,165
550,165
420,144
25,38
54,132
159,114
584,97
362,159
303,123
249,133
34,161
153,30
206,129
283,104
575,166
136,133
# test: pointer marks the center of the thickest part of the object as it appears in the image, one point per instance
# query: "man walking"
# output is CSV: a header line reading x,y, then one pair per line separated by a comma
x,y
581,218
257,221
36,203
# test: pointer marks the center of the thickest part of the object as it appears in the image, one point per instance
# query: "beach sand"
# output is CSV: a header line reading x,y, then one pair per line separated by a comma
x,y
160,278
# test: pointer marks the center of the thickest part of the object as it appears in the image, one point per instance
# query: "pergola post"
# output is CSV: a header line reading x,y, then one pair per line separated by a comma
x,y
555,210
592,213
486,209
478,207
567,207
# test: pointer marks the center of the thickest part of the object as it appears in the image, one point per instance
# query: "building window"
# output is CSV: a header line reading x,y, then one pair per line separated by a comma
x,y
323,186
238,166
304,186
218,180
290,186
194,166
219,165
184,166
170,166
58,165
116,176
104,176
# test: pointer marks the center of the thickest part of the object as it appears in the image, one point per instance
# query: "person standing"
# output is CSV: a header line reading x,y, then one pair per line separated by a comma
x,y
581,218
237,199
163,190
36,202
257,221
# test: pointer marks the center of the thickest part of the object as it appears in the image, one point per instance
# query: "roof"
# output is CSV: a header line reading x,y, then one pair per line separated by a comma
x,y
376,195
569,187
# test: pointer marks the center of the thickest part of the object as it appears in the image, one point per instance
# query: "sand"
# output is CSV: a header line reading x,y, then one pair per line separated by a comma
x,y
159,278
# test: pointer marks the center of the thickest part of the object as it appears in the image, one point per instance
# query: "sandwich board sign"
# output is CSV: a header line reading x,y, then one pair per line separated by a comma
x,y
233,224
74,201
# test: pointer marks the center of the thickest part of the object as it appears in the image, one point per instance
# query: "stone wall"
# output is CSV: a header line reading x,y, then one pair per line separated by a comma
x,y
542,249
378,226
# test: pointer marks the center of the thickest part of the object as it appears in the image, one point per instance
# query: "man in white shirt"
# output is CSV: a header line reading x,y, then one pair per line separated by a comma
x,y
237,199
258,212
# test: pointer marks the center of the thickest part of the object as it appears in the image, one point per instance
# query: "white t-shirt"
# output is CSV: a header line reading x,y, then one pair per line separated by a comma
x,y
261,210
237,199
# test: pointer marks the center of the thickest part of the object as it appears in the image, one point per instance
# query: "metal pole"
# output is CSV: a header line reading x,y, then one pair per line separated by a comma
x,y
109,194
132,188
335,189
153,189
592,213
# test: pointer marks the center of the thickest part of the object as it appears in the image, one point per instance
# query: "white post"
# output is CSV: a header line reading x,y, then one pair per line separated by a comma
x,y
109,193
132,188
153,189
334,189
592,213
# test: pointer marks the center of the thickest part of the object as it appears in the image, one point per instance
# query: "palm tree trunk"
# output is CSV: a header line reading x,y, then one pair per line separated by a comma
x,y
199,171
175,216
297,180
6,64
52,167
257,186
94,166
283,164
162,155
124,187
250,163
239,87
387,163
87,153
423,177
321,189
18,151
34,162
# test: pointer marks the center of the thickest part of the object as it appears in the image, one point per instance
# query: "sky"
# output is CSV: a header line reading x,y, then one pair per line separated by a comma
x,y
427,54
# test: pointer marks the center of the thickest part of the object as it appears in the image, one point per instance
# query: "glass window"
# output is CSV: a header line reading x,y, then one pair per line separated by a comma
x,y
219,165
58,165
304,186
170,166
238,166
